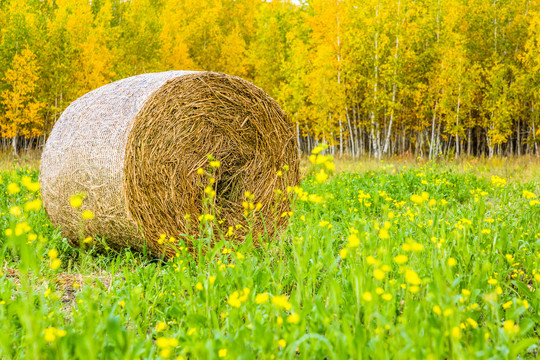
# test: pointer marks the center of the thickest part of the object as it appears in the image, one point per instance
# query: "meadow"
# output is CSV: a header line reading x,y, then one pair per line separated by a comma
x,y
391,259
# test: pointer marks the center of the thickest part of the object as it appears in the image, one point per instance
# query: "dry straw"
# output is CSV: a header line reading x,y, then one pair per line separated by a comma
x,y
133,148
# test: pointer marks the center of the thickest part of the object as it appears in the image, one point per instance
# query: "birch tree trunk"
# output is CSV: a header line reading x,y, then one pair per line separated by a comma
x,y
432,143
457,121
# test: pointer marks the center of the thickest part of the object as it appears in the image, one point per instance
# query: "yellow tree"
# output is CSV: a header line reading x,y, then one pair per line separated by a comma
x,y
234,54
203,33
270,49
325,81
21,107
137,43
531,64
93,64
59,53
174,49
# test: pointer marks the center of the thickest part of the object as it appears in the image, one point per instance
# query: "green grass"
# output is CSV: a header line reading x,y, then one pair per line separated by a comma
x,y
465,286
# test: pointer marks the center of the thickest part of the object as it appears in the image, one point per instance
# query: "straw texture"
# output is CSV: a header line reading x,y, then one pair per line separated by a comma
x,y
134,147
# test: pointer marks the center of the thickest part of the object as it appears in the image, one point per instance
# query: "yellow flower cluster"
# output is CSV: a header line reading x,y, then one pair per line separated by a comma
x,y
33,205
498,181
412,277
413,246
51,333
281,301
54,262
237,298
325,161
206,217
262,298
249,204
161,326
166,345
363,198
510,327
420,199
305,196
29,184
13,189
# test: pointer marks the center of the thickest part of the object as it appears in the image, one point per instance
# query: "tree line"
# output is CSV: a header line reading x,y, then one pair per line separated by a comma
x,y
376,78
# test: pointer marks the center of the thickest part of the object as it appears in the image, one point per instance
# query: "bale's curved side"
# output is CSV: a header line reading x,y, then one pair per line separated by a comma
x,y
185,120
85,154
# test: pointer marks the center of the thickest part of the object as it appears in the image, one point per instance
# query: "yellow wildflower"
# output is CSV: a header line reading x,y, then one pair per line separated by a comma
x,y
367,296
412,277
378,274
15,210
528,195
13,188
55,263
238,297
53,253
206,217
417,199
293,318
164,342
510,327
87,215
401,259
321,176
33,205
498,181
354,241
262,298
51,333
281,301
75,201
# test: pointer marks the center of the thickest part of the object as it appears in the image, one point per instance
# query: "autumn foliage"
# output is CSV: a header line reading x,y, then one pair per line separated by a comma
x,y
370,77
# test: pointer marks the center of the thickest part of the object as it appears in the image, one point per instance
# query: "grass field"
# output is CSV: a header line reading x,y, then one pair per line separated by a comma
x,y
382,260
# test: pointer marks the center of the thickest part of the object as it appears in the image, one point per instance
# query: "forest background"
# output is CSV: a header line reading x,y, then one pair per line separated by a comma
x,y
429,78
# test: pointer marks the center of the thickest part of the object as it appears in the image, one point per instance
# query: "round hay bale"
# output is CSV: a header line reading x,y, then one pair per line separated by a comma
x,y
133,148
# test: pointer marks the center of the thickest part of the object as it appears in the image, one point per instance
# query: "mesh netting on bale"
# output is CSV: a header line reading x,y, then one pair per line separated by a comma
x,y
133,148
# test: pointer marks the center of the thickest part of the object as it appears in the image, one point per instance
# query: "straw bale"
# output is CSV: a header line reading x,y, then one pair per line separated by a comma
x,y
133,148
